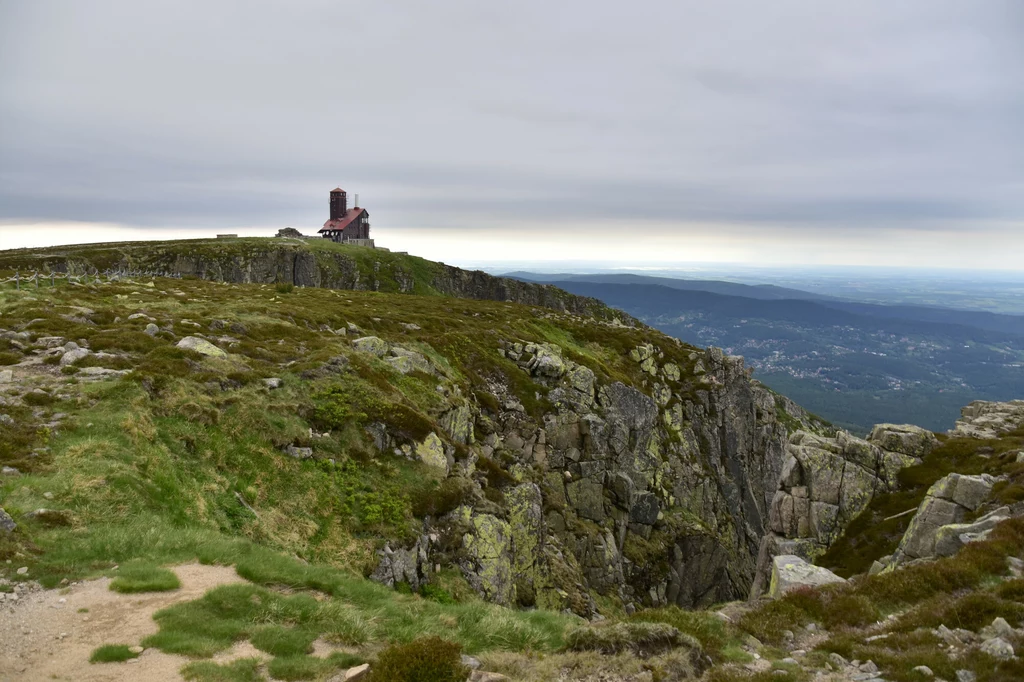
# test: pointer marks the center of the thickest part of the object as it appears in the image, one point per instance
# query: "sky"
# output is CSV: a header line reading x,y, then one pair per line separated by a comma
x,y
647,133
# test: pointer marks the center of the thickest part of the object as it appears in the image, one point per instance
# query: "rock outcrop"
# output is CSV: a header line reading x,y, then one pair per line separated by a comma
x,y
938,528
649,497
294,261
827,481
984,419
790,572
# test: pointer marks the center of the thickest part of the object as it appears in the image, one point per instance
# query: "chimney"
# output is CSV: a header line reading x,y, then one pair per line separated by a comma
x,y
355,204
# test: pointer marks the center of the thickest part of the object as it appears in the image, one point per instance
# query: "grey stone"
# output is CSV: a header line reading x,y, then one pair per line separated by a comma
x,y
272,382
645,508
6,376
869,667
470,662
152,329
201,346
357,673
431,453
965,676
298,453
998,647
7,524
372,345
588,498
70,357
9,471
924,670
903,438
790,572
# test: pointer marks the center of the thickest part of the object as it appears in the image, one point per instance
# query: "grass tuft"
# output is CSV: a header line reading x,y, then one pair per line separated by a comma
x,y
141,576
112,653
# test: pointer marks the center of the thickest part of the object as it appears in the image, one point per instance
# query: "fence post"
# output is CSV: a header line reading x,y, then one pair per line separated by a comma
x,y
53,281
35,279
17,280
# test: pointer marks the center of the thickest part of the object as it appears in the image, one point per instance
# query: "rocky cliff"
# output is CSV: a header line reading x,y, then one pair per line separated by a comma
x,y
303,263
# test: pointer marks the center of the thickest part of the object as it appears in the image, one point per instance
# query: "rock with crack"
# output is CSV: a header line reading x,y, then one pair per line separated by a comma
x,y
945,505
790,572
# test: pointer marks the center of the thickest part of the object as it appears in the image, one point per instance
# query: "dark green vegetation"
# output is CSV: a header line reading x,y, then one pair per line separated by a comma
x,y
854,364
430,659
877,531
112,653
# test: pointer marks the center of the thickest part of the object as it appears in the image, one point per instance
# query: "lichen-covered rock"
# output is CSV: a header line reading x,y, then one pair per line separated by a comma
x,y
984,419
906,439
72,356
7,524
201,346
458,424
488,547
431,453
946,503
791,572
406,361
373,345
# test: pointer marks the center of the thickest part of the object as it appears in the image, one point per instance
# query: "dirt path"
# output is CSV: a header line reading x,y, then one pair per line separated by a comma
x,y
46,636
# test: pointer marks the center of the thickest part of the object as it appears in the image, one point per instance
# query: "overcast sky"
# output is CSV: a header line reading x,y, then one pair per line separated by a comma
x,y
854,131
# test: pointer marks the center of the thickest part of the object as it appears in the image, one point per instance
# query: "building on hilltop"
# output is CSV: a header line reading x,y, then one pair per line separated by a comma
x,y
347,225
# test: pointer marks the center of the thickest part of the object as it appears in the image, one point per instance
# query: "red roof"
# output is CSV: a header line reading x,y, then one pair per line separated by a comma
x,y
337,189
344,221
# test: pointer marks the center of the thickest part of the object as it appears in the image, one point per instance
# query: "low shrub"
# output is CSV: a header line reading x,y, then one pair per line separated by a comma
x,y
640,638
428,659
439,499
711,631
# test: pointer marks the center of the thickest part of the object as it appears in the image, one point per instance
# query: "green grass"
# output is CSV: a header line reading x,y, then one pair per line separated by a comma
x,y
112,653
140,576
242,670
310,667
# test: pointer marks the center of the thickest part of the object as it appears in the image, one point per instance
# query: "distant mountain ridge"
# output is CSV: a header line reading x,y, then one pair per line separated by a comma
x,y
997,322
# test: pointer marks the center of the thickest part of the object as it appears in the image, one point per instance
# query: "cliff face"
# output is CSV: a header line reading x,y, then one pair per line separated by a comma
x,y
649,493
304,263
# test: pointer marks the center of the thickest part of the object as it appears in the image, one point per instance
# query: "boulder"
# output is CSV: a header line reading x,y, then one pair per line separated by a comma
x,y
201,346
405,361
937,527
298,453
70,357
152,329
997,647
431,453
6,376
372,345
790,572
7,524
906,439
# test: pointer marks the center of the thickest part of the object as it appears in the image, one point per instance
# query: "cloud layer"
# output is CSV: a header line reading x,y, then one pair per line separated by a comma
x,y
814,124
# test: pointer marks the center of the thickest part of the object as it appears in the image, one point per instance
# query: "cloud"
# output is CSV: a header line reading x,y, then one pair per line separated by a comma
x,y
818,122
